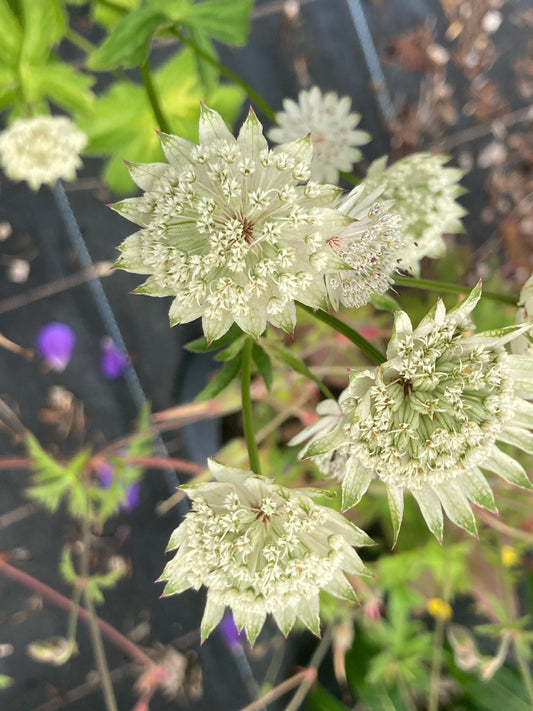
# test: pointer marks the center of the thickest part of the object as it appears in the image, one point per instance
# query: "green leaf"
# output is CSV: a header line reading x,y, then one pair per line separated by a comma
x,y
207,72
233,349
64,86
320,699
44,25
5,681
225,21
108,16
11,33
201,345
283,354
385,302
263,363
128,45
222,379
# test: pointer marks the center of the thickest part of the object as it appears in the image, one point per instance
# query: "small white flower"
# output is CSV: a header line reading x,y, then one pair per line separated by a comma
x,y
424,194
41,150
235,231
260,548
428,420
332,127
371,245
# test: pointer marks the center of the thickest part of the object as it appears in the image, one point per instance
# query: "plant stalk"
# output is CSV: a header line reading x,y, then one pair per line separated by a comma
x,y
436,664
247,416
153,98
450,288
356,338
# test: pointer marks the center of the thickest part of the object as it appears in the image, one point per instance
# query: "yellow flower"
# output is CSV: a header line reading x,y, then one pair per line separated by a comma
x,y
509,556
439,608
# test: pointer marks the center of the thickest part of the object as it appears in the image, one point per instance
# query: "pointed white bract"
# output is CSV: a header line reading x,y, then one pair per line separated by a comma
x,y
261,548
235,231
424,192
428,420
371,246
41,150
331,124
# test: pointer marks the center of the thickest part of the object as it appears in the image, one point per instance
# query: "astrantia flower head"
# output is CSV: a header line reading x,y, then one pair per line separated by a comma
x,y
524,344
428,420
235,231
331,125
41,150
371,246
425,193
260,548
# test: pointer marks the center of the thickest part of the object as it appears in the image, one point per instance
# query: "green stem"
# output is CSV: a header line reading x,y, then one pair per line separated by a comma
x,y
525,671
436,664
79,40
96,637
73,615
247,418
360,341
450,288
256,98
153,98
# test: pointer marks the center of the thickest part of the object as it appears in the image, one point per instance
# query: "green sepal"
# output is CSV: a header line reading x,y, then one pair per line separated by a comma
x,y
263,363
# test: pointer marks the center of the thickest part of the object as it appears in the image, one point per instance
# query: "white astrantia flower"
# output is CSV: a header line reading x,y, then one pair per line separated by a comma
x,y
424,193
235,231
371,246
41,150
524,344
428,420
331,124
261,548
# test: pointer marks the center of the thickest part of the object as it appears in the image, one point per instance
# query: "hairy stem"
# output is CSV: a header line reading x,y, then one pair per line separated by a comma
x,y
450,288
356,338
247,415
153,98
275,693
256,98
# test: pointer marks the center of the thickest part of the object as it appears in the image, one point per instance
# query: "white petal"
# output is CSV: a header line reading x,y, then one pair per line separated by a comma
x,y
477,489
431,509
508,468
456,506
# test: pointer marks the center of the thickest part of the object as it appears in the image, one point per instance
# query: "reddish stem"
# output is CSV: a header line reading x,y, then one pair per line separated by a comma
x,y
112,634
164,463
16,463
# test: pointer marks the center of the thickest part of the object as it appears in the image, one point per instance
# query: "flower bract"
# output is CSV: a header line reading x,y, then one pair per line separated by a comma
x,y
41,150
424,191
429,419
261,548
332,127
236,232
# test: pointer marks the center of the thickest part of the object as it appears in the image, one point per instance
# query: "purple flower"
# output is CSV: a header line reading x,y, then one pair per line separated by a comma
x,y
113,361
230,634
106,472
55,342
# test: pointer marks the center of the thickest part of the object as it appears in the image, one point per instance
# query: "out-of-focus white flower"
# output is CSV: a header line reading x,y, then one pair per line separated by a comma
x,y
524,344
260,548
370,245
424,193
235,231
41,150
428,420
331,125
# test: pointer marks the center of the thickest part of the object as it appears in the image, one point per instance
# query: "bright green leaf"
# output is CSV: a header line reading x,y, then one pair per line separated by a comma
x,y
225,21
222,379
128,45
283,354
63,85
11,33
44,24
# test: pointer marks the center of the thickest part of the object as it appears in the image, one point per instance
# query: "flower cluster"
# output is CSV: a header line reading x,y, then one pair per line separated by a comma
x,y
370,246
428,420
331,125
260,548
235,231
425,195
41,150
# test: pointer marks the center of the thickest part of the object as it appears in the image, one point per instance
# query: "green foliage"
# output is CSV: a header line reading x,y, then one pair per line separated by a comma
x,y
128,44
124,123
5,681
281,353
222,379
263,363
54,481
30,73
